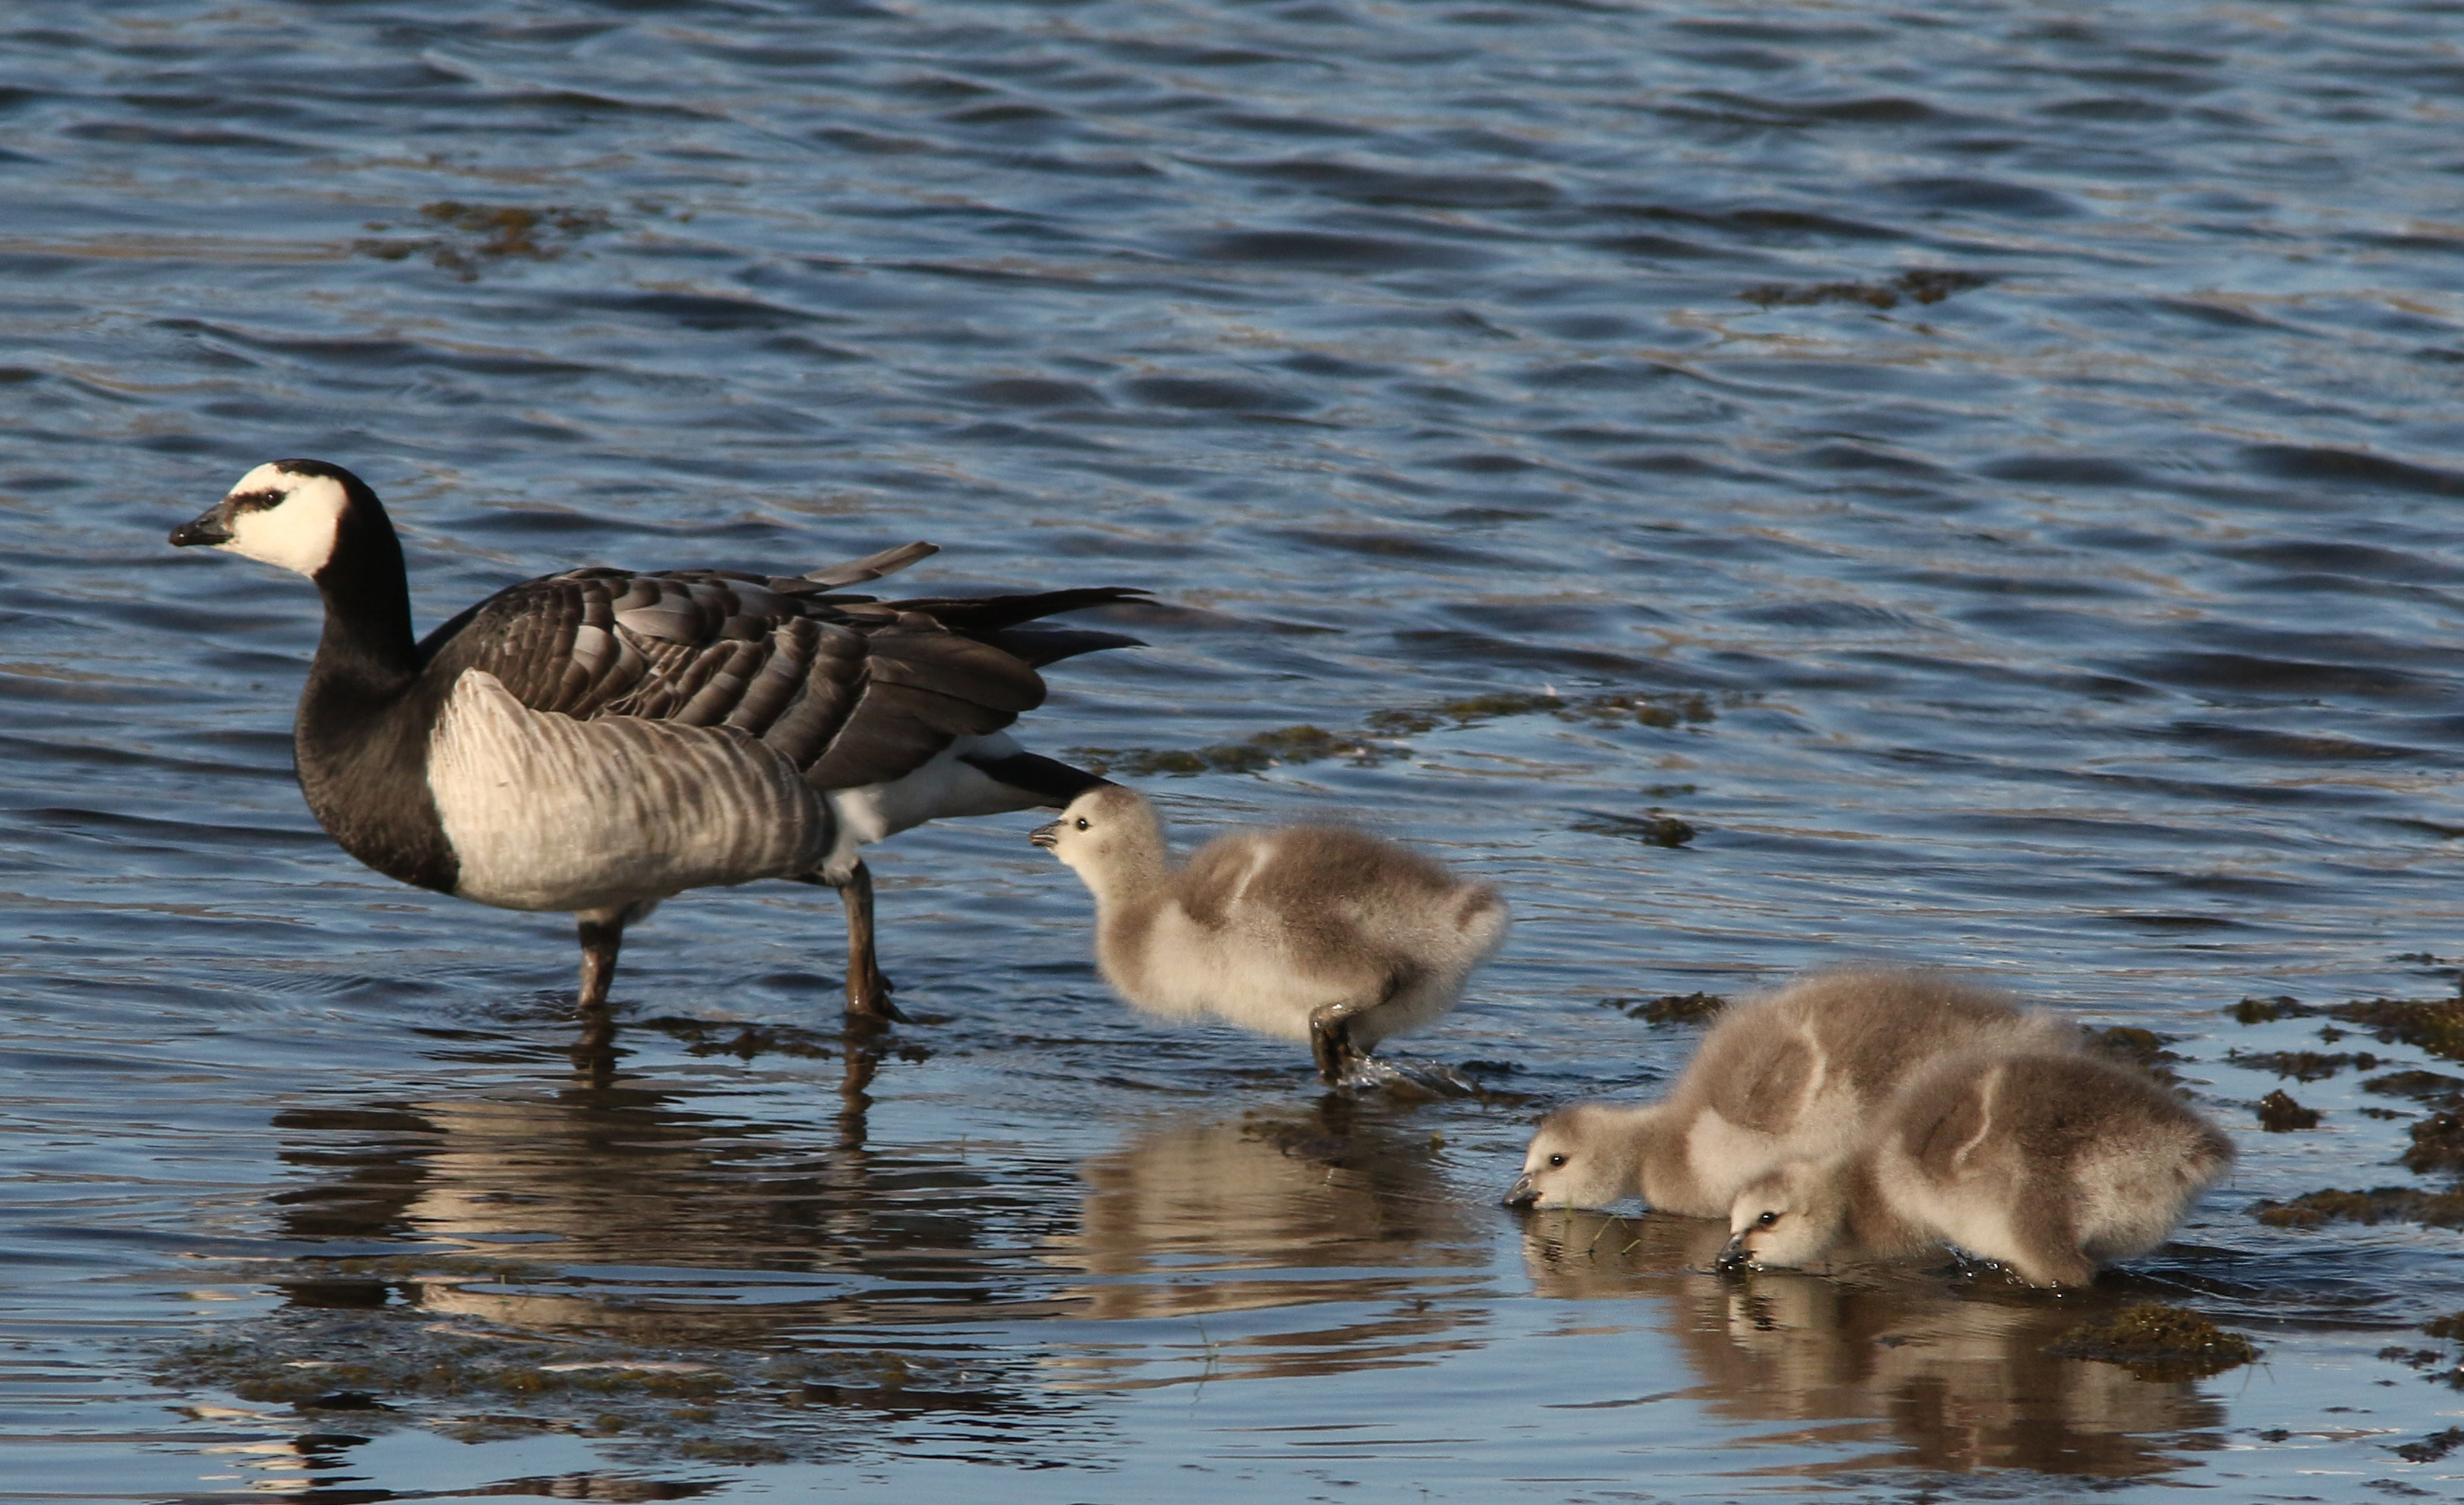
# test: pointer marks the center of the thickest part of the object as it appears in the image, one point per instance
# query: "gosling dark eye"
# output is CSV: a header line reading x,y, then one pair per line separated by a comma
x,y
1556,1161
1082,822
1766,1220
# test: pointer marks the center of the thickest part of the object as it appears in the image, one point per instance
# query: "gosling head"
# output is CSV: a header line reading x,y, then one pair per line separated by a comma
x,y
1581,1156
1103,831
1786,1217
290,513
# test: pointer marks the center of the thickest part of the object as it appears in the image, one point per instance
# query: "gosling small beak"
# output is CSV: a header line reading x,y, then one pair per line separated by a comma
x,y
1046,837
1523,1193
207,528
1735,1258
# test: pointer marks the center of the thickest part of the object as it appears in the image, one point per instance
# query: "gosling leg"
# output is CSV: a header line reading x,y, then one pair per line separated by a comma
x,y
868,990
1331,1039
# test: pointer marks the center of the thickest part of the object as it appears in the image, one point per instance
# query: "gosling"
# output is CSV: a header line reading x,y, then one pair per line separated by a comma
x,y
1795,1074
2052,1165
1317,933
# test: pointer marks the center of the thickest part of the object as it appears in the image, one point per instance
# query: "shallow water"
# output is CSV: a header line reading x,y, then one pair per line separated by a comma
x,y
1987,470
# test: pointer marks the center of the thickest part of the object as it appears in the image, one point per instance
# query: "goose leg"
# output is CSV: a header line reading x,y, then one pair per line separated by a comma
x,y
603,936
867,992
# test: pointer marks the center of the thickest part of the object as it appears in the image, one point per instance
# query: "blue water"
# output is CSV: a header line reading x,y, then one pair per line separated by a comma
x,y
1991,471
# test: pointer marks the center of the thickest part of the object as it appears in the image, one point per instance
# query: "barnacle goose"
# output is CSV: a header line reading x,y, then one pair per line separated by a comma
x,y
598,740
1792,1073
2051,1165
1319,934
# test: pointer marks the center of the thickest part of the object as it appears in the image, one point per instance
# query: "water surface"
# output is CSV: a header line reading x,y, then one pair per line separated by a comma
x,y
1989,471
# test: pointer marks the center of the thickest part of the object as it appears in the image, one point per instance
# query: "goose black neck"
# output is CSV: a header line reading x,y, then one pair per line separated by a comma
x,y
368,643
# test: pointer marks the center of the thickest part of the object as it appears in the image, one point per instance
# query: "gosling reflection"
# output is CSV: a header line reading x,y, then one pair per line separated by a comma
x,y
1943,1380
1330,1205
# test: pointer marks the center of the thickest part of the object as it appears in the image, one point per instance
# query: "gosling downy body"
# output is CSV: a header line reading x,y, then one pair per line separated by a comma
x,y
2052,1165
1794,1074
1317,933
600,740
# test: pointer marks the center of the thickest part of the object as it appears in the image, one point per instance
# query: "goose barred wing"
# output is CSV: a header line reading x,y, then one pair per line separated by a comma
x,y
850,691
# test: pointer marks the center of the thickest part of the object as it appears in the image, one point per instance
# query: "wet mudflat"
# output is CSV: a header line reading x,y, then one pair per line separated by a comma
x,y
1768,486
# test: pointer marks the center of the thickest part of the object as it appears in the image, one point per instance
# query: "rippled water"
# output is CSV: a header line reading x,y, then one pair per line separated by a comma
x,y
1988,471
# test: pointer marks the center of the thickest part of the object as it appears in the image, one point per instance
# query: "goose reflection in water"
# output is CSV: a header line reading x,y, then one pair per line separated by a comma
x,y
1343,1218
630,1209
1939,1380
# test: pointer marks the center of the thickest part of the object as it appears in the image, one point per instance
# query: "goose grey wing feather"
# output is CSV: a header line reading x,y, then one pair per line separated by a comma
x,y
849,690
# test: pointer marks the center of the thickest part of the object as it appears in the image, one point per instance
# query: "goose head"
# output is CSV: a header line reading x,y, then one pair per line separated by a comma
x,y
1582,1156
290,513
1108,831
1789,1216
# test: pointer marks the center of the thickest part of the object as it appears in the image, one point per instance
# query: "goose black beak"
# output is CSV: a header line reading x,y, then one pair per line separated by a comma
x,y
1046,837
207,528
1735,1258
1523,1193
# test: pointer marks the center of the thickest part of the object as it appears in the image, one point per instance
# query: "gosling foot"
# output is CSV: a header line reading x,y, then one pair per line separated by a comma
x,y
1330,1042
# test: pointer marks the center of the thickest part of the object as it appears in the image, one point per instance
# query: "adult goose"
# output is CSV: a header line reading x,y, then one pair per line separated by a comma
x,y
598,740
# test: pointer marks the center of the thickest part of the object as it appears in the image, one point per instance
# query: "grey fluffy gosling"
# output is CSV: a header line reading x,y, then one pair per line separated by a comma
x,y
1795,1074
1317,933
2051,1165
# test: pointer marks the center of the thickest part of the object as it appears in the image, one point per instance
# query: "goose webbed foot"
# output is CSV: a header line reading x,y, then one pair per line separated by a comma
x,y
1330,1042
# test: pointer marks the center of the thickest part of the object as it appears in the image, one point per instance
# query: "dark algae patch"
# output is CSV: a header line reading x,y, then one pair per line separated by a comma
x,y
1672,1008
2265,1010
2280,1114
2437,1145
2380,1205
2145,1049
468,236
1922,285
1383,733
2156,1342
1651,826
2433,1448
2303,1066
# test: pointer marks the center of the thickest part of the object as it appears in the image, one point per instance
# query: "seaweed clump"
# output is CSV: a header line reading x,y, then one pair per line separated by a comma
x,y
1669,1007
2433,1448
2436,1025
2279,1113
1918,285
2437,1144
2379,1204
1652,826
2141,1048
1383,731
2156,1342
2262,1011
2303,1066
474,234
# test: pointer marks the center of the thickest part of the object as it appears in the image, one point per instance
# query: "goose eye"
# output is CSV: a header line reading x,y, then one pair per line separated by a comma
x,y
1556,1161
1766,1220
1082,822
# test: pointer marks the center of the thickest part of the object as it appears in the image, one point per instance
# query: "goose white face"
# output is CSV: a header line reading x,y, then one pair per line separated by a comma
x,y
284,517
